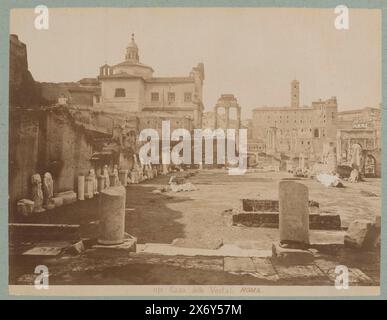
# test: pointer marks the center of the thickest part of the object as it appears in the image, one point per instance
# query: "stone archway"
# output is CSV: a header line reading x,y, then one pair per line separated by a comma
x,y
369,166
251,160
356,155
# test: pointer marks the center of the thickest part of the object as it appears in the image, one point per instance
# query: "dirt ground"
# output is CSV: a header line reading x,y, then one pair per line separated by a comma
x,y
198,219
198,216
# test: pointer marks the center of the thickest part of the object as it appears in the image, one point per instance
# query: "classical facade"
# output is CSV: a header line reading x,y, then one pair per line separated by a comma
x,y
130,88
359,140
294,129
221,117
126,98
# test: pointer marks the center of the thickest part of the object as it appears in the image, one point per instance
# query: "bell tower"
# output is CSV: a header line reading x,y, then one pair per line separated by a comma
x,y
295,94
132,51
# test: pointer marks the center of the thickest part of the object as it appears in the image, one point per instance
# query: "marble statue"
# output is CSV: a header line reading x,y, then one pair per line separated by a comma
x,y
37,193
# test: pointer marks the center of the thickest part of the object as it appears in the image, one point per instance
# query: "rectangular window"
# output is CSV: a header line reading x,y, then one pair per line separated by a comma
x,y
120,92
187,97
154,96
171,97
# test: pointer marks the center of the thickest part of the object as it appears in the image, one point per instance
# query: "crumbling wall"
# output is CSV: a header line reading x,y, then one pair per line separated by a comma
x,y
46,140
67,150
23,152
23,90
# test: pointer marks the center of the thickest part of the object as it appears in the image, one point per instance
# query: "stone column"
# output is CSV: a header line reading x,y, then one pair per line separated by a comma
x,y
293,212
332,160
101,182
216,118
123,175
89,187
227,113
237,128
112,216
81,188
112,180
339,150
238,118
301,162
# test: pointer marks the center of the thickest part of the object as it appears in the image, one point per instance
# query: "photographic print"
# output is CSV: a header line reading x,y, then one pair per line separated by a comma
x,y
194,151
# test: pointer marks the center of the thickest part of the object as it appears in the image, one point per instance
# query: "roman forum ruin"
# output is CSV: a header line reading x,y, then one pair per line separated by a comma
x,y
312,180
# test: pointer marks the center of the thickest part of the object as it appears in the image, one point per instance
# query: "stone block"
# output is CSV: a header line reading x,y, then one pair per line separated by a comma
x,y
58,201
291,255
122,249
25,207
256,219
257,205
297,273
324,222
50,204
42,232
239,264
264,269
362,234
46,251
271,220
68,197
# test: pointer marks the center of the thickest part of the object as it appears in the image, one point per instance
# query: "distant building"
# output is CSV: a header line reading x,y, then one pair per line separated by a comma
x,y
130,87
295,129
359,140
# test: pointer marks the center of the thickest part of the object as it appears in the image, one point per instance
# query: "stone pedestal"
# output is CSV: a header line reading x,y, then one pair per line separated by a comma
x,y
293,212
123,175
89,187
101,183
112,216
112,180
25,207
81,188
135,177
165,169
289,255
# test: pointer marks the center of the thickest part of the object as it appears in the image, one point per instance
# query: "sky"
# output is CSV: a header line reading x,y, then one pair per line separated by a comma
x,y
253,53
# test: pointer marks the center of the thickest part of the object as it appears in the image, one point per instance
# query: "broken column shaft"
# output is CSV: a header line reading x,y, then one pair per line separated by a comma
x,y
293,213
112,216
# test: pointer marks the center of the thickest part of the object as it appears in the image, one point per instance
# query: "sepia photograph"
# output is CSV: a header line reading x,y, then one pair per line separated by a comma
x,y
194,152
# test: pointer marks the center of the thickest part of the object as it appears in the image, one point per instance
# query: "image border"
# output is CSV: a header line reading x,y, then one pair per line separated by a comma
x,y
7,5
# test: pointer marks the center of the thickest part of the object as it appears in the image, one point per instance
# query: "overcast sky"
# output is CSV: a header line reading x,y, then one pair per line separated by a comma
x,y
253,53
